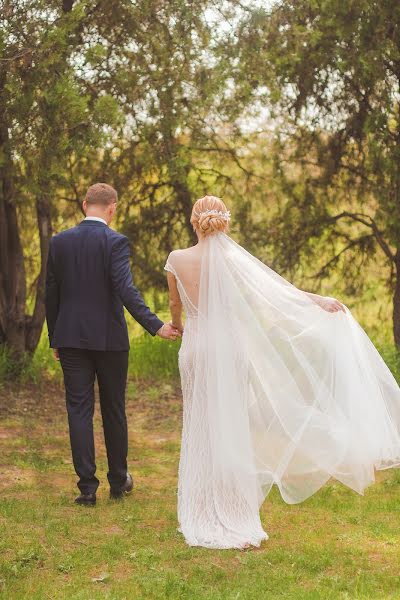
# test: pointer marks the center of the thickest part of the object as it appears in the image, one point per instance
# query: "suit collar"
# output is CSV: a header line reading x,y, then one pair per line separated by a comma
x,y
92,223
100,219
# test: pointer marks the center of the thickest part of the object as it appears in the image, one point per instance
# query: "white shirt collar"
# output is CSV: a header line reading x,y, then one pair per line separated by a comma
x,y
95,219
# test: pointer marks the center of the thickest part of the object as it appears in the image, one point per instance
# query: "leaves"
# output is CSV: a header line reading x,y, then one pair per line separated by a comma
x,y
106,111
332,70
290,112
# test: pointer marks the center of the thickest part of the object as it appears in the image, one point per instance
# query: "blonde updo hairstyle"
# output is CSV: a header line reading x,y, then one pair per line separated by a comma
x,y
208,224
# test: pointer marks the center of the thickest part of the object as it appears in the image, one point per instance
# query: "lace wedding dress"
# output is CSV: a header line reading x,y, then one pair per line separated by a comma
x,y
276,390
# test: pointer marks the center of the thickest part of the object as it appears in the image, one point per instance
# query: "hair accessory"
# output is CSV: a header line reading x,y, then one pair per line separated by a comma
x,y
225,215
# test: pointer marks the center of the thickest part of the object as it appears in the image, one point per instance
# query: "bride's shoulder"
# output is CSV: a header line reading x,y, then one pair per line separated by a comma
x,y
174,254
174,257
180,258
180,252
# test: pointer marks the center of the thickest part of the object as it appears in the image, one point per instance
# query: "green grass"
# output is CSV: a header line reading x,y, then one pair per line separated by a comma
x,y
153,358
337,545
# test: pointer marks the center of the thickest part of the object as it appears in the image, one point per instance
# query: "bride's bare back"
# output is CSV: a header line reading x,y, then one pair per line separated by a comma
x,y
185,265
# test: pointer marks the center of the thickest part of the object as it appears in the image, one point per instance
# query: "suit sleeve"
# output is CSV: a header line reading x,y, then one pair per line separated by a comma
x,y
52,299
123,283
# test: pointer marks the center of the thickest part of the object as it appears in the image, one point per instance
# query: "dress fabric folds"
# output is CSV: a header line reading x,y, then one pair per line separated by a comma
x,y
276,390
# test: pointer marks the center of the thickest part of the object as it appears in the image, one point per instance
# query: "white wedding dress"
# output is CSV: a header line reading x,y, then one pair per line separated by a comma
x,y
275,390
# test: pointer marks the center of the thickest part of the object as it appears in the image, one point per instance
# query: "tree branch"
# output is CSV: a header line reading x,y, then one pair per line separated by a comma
x,y
335,258
368,221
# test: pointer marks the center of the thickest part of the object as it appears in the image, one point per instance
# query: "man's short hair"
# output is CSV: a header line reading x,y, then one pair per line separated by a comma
x,y
101,193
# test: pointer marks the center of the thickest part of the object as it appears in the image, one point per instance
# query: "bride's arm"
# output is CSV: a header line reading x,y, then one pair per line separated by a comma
x,y
326,302
175,303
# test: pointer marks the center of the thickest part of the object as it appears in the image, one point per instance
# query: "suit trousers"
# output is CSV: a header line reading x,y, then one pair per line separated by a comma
x,y
80,368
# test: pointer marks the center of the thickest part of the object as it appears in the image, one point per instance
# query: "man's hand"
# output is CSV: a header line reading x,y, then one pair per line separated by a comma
x,y
56,355
168,332
331,304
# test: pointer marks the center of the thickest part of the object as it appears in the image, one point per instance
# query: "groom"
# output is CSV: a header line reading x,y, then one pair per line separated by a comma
x,y
88,284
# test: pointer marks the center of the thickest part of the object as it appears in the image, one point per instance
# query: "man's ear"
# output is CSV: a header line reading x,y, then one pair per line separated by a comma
x,y
84,207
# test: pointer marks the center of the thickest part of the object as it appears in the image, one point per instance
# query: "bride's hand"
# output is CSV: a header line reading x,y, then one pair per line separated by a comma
x,y
330,304
178,326
168,332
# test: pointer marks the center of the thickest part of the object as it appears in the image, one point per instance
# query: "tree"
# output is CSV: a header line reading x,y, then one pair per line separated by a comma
x,y
166,67
44,122
135,94
330,73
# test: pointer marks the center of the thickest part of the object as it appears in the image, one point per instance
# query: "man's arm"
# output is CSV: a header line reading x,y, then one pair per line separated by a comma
x,y
52,298
123,283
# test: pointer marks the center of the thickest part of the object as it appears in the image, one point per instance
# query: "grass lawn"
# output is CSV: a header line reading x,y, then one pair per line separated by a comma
x,y
336,545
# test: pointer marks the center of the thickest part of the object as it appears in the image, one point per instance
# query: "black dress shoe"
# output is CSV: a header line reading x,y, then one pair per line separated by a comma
x,y
126,489
86,499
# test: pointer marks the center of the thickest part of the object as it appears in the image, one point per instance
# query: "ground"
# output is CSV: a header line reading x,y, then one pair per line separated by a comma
x,y
336,545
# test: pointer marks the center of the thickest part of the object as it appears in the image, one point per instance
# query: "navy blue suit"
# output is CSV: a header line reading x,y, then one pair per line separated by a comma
x,y
89,282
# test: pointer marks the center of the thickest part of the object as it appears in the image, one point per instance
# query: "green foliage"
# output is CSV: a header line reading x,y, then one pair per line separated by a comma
x,y
106,111
143,102
391,356
24,368
289,112
329,74
149,358
153,358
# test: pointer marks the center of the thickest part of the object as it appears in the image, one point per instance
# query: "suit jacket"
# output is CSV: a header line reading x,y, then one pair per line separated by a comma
x,y
88,283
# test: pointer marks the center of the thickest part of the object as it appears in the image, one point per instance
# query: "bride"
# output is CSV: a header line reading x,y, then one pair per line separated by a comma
x,y
280,386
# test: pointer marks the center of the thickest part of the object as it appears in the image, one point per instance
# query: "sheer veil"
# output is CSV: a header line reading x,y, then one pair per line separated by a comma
x,y
276,391
290,394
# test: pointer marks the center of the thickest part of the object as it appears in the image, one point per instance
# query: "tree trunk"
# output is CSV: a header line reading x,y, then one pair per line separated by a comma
x,y
184,199
12,269
35,323
21,333
15,285
3,267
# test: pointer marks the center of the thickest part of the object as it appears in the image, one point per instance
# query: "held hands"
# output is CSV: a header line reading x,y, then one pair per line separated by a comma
x,y
330,304
169,332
